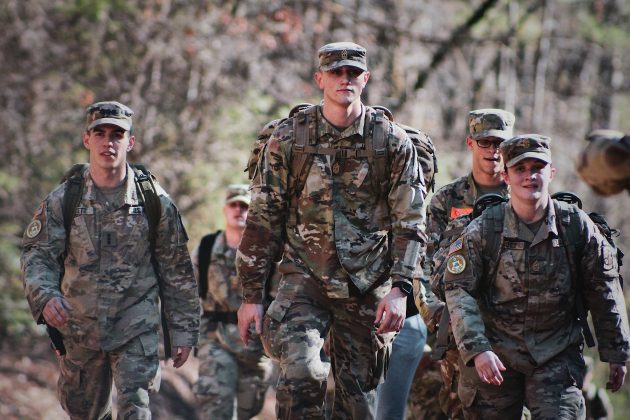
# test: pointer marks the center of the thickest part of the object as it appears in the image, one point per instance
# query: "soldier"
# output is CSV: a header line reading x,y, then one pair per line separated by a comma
x,y
604,163
513,295
487,129
98,286
228,370
348,238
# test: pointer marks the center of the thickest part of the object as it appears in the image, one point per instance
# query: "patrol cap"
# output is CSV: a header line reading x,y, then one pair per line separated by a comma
x,y
525,146
339,54
237,192
490,122
108,112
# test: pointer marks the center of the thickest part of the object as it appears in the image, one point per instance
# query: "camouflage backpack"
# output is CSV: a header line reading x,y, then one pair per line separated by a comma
x,y
305,146
569,230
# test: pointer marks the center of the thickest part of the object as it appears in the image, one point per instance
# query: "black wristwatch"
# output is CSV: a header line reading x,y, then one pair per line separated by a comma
x,y
406,288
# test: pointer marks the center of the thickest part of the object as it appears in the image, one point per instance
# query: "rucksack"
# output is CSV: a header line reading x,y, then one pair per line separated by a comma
x,y
305,146
571,238
149,199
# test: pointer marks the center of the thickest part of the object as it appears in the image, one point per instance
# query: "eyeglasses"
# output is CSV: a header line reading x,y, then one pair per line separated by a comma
x,y
486,143
238,204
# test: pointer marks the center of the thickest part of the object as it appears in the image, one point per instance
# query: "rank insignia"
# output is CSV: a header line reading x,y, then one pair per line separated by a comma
x,y
33,229
456,264
456,246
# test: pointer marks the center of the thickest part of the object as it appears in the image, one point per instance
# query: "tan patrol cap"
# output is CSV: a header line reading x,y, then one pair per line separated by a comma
x,y
525,146
339,54
490,122
108,112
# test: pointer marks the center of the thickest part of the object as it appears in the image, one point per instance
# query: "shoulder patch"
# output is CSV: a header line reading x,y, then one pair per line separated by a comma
x,y
456,264
456,246
33,229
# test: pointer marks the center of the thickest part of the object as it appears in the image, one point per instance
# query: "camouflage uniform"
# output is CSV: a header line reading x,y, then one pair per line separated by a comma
x,y
112,286
227,368
337,264
526,313
604,163
448,203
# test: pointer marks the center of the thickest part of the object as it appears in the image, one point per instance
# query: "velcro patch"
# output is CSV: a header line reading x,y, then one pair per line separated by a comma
x,y
455,212
456,246
456,264
33,229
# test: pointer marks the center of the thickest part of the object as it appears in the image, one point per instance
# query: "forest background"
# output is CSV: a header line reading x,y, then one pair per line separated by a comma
x,y
204,76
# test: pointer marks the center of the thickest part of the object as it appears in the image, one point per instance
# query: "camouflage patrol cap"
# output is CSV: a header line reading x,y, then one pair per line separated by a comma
x,y
490,122
237,192
339,54
108,112
525,146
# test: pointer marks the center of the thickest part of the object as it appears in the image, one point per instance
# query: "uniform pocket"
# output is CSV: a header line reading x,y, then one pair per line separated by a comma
x,y
381,352
507,285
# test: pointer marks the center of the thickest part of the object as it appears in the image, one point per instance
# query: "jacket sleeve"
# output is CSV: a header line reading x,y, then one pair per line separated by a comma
x,y
603,295
180,293
262,240
462,291
406,200
43,249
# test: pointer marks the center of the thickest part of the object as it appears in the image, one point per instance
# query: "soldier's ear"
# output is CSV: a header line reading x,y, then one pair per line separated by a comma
x,y
132,142
86,140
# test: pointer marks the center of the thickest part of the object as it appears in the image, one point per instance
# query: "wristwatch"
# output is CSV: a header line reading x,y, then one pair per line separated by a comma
x,y
406,288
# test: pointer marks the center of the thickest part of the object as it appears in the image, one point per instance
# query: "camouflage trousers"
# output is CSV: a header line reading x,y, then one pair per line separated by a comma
x,y
423,403
85,380
294,329
225,379
551,391
449,400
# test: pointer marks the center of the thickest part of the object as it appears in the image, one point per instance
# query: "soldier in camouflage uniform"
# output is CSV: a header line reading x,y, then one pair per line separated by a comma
x,y
106,304
512,300
487,129
228,371
347,251
604,163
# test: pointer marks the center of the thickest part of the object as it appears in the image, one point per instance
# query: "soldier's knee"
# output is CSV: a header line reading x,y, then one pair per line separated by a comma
x,y
311,372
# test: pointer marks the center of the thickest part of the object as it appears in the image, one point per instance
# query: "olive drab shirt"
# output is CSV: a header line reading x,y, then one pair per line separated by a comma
x,y
526,314
340,232
109,279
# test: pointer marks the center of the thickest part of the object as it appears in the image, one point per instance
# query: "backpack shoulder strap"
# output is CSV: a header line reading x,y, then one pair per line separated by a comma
x,y
304,140
72,196
376,128
492,229
204,258
150,199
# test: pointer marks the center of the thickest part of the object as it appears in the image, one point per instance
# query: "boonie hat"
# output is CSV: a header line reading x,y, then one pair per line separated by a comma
x,y
525,146
108,112
490,122
237,192
339,54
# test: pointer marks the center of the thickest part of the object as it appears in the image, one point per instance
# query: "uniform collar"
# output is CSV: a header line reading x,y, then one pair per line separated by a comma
x,y
513,227
326,129
131,193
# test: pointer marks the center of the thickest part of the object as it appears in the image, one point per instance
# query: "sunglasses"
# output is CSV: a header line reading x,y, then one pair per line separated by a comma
x,y
486,143
238,204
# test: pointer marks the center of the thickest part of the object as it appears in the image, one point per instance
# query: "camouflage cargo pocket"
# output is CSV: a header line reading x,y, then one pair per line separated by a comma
x,y
271,324
381,351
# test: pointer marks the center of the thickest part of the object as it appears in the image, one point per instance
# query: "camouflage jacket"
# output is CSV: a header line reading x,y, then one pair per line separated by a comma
x,y
339,233
109,279
224,295
526,314
448,203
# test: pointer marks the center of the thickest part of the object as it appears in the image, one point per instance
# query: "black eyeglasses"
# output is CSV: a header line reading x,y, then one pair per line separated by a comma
x,y
486,143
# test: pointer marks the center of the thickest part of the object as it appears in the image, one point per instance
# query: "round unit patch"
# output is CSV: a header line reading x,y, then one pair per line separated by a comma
x,y
33,229
456,264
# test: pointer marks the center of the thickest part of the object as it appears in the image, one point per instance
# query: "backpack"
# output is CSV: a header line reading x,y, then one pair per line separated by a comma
x,y
453,230
305,146
570,235
150,200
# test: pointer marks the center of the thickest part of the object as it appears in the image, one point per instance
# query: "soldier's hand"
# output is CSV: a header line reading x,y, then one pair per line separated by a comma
x,y
56,313
180,355
489,367
391,311
616,376
248,313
